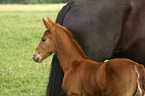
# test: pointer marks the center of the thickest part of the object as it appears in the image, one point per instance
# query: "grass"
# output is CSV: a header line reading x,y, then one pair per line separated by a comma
x,y
20,32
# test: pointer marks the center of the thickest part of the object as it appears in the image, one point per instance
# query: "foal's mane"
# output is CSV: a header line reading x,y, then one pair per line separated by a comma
x,y
69,34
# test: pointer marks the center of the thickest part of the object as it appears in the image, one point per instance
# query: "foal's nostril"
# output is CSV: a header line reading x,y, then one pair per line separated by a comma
x,y
35,59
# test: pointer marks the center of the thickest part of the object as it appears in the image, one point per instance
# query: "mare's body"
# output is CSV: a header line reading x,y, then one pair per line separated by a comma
x,y
95,24
85,77
115,29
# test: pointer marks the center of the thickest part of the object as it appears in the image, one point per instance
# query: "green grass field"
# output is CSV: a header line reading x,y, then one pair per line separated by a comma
x,y
21,28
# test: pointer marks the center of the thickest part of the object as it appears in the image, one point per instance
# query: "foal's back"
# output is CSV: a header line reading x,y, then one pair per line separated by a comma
x,y
117,77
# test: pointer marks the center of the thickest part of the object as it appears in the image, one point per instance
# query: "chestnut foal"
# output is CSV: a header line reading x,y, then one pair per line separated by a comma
x,y
84,77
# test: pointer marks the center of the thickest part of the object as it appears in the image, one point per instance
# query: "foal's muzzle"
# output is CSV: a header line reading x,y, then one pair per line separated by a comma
x,y
37,58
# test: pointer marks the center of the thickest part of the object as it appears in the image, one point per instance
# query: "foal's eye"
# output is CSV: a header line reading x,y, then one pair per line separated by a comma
x,y
43,40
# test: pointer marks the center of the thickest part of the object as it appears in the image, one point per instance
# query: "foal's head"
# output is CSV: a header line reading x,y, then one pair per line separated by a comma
x,y
47,42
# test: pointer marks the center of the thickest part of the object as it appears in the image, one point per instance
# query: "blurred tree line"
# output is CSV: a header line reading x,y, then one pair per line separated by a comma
x,y
31,1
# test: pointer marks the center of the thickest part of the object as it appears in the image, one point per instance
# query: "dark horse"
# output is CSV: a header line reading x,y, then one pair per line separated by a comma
x,y
115,28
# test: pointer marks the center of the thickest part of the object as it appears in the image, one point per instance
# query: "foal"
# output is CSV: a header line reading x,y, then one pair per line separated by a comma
x,y
84,77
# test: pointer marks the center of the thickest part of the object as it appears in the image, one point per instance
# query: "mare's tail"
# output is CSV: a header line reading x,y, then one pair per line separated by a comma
x,y
139,69
55,79
54,87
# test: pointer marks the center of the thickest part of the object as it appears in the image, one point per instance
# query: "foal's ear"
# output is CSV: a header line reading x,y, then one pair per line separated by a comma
x,y
47,24
50,20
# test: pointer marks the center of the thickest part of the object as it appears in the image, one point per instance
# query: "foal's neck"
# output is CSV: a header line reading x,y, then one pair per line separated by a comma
x,y
68,49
